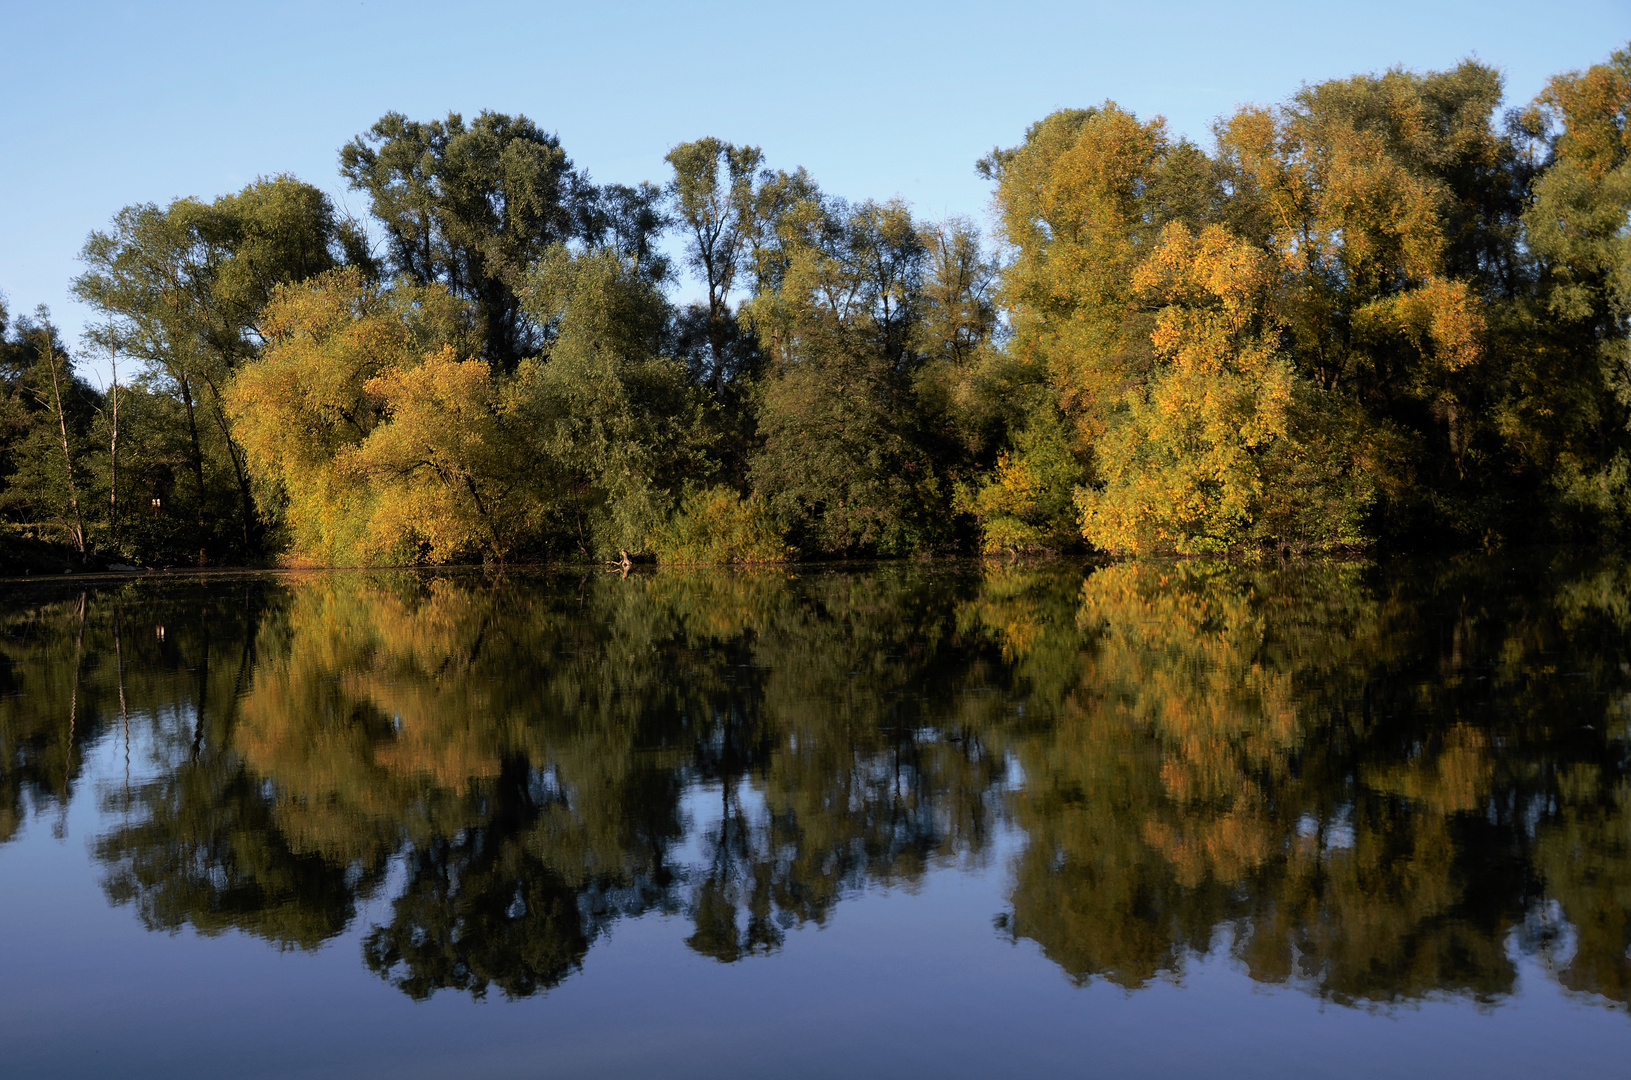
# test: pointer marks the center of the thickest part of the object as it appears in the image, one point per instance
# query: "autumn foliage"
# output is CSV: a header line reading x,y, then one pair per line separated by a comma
x,y
1388,311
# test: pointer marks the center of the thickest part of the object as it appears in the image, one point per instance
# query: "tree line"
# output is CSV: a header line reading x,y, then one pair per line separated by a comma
x,y
1388,311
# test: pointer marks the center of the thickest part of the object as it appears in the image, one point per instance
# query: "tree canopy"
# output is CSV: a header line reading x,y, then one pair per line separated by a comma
x,y
1391,311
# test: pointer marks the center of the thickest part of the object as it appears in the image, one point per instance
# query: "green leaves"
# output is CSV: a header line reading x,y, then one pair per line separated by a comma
x,y
1394,317
471,207
846,458
183,290
606,413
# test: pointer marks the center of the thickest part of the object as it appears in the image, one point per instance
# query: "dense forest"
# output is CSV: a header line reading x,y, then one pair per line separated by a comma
x,y
1390,311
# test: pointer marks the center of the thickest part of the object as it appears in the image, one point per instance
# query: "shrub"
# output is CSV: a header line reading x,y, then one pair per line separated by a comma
x,y
715,526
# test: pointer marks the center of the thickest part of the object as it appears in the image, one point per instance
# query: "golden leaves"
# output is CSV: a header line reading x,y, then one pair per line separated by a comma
x,y
1441,320
1446,314
1594,106
432,459
1178,461
381,439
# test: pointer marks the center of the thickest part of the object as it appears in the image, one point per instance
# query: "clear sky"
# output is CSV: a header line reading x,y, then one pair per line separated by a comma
x,y
108,104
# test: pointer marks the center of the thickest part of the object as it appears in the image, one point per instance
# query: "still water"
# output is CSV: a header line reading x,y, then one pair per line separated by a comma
x,y
912,820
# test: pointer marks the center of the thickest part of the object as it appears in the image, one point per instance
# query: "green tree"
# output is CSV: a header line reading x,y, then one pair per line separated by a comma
x,y
604,412
843,459
715,198
183,288
48,466
1575,225
472,207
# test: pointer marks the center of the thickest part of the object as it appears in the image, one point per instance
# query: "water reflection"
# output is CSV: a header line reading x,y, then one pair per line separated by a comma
x,y
1376,784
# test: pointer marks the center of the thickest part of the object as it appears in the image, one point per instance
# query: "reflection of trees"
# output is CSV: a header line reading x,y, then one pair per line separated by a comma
x,y
523,750
859,771
200,844
46,712
1377,783
205,852
60,684
1351,777
1582,795
480,908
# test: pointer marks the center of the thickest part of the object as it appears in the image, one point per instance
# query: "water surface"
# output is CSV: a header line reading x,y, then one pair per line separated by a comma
x,y
947,820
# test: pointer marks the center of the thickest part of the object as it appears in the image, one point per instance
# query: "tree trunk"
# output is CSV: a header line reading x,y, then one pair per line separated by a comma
x,y
245,494
113,454
203,689
67,453
198,460
73,699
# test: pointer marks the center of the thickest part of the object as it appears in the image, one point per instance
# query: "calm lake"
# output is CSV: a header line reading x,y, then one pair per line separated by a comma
x,y
940,820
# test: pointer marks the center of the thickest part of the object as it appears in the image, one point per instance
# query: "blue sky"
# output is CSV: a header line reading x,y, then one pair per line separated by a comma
x,y
108,104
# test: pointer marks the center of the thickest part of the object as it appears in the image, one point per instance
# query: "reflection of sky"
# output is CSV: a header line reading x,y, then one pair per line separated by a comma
x,y
920,977
1334,834
899,982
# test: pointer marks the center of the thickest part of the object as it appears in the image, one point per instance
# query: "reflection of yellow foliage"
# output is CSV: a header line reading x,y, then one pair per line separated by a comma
x,y
711,606
1171,785
1453,779
1223,848
1182,648
1301,755
1018,635
368,709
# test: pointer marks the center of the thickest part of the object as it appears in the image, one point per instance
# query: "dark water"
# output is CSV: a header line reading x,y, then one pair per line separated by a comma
x,y
911,821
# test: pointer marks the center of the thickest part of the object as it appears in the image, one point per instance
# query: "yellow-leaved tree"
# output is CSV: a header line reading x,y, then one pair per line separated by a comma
x,y
440,469
1081,201
302,402
1204,450
375,440
1364,187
